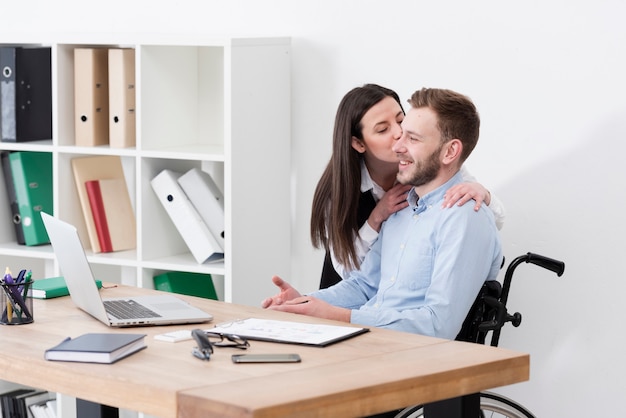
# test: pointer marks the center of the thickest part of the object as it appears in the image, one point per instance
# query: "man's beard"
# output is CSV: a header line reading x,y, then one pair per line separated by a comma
x,y
423,172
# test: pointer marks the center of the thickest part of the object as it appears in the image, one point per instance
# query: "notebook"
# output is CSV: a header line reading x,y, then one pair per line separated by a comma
x,y
155,309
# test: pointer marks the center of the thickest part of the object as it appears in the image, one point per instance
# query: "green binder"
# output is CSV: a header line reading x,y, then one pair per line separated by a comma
x,y
32,177
186,283
52,287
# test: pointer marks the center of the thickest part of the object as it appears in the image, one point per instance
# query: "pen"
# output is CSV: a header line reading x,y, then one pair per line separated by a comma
x,y
20,276
8,280
27,279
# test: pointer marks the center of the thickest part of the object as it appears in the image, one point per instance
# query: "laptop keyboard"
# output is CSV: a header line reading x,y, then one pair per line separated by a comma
x,y
128,309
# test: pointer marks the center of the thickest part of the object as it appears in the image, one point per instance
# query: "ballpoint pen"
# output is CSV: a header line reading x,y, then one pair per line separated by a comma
x,y
8,279
20,278
27,279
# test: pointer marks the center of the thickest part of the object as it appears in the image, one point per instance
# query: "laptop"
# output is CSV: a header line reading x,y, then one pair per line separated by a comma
x,y
114,312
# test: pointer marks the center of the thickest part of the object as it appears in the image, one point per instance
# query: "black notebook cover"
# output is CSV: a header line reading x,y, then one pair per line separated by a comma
x,y
97,348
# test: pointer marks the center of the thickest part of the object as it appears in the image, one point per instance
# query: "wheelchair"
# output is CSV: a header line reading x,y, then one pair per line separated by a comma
x,y
487,315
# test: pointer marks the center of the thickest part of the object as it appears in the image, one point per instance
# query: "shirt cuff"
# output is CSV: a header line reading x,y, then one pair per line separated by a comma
x,y
368,234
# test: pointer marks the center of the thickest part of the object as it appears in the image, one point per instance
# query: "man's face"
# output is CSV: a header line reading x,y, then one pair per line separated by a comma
x,y
419,148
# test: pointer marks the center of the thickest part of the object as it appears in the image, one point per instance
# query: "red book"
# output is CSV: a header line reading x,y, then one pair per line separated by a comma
x,y
113,214
99,216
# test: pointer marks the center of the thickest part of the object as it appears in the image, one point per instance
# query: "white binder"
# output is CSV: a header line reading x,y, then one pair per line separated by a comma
x,y
203,246
208,200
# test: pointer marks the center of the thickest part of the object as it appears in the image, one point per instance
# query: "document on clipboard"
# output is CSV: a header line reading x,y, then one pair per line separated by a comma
x,y
288,332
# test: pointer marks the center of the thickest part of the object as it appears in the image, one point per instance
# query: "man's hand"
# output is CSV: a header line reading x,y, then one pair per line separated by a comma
x,y
286,293
462,193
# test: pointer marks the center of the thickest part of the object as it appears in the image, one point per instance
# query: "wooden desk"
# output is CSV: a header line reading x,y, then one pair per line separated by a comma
x,y
371,373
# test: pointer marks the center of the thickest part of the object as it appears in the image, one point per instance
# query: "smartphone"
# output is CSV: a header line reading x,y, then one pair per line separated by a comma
x,y
266,358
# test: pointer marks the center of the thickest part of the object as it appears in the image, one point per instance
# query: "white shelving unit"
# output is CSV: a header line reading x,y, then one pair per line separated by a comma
x,y
222,105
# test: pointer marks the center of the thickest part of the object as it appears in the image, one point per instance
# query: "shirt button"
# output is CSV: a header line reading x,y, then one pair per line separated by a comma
x,y
392,279
415,216
376,305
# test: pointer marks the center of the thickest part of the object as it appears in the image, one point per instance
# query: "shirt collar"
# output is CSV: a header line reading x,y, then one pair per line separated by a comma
x,y
419,204
368,184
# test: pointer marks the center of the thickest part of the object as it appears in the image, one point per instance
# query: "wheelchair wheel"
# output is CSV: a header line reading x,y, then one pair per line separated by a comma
x,y
491,406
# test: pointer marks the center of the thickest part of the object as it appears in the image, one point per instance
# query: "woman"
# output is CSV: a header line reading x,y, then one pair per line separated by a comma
x,y
358,192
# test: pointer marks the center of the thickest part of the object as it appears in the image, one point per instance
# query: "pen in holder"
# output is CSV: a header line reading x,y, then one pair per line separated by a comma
x,y
16,304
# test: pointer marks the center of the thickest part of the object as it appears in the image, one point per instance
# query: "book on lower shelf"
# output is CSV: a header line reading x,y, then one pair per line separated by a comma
x,y
11,403
97,348
52,287
44,409
113,214
107,167
38,397
20,402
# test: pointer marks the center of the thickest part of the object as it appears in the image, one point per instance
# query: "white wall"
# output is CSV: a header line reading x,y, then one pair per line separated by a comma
x,y
549,80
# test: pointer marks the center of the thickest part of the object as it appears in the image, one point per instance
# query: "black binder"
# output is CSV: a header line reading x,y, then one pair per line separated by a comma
x,y
12,403
25,94
12,197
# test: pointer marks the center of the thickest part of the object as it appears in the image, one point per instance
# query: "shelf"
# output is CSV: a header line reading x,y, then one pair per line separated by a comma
x,y
221,105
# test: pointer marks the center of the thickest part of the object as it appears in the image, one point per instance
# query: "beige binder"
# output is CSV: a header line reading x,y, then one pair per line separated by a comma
x,y
95,168
91,96
122,98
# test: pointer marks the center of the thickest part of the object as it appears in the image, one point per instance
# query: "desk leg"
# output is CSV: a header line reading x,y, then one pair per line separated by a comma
x,y
87,409
463,407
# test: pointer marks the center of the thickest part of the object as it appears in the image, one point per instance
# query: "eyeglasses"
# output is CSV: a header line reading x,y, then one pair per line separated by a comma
x,y
207,340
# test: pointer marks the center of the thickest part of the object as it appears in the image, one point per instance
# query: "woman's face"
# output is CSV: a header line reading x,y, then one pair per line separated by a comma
x,y
380,129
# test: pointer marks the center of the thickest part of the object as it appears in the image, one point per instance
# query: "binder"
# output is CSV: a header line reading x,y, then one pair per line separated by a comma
x,y
91,96
32,179
96,168
122,119
42,409
11,402
52,287
186,283
36,398
193,230
12,198
113,214
207,199
25,94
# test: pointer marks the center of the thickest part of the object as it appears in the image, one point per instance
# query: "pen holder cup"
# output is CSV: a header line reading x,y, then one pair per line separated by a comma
x,y
16,304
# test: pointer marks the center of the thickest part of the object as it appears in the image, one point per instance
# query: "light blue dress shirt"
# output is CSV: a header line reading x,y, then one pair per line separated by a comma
x,y
426,268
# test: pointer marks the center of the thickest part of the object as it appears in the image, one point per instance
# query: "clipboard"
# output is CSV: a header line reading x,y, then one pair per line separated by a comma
x,y
288,332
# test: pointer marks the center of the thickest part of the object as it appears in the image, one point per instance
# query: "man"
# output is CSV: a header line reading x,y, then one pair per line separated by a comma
x,y
429,262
